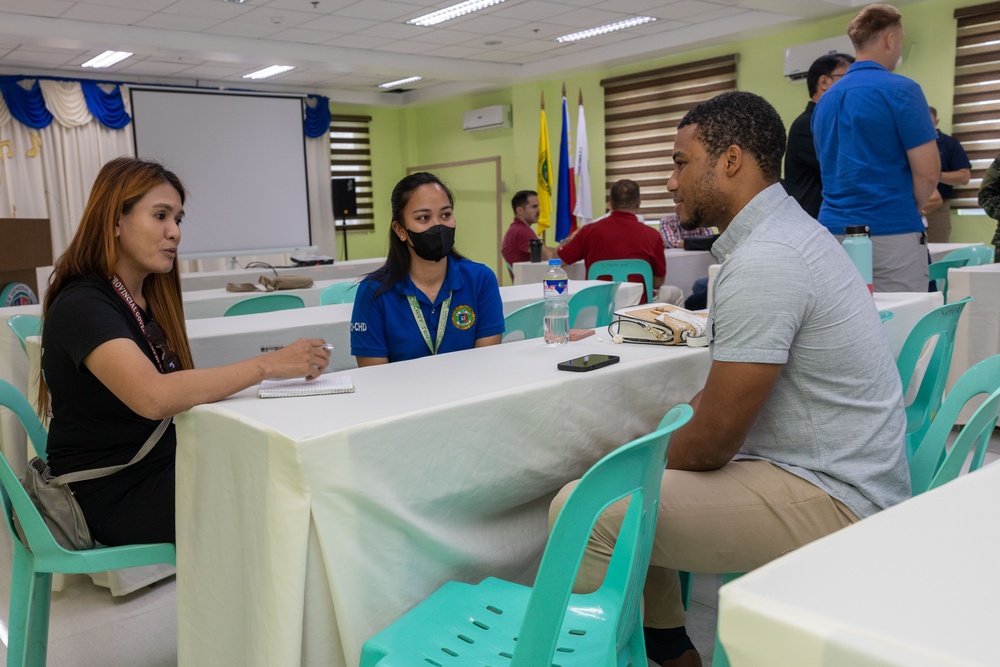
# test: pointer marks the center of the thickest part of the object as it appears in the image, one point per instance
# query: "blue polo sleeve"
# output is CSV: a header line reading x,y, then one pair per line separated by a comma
x,y
912,116
368,334
490,317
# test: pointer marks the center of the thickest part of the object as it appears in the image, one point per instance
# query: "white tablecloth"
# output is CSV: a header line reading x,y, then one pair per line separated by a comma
x,y
916,584
683,268
978,333
337,271
306,525
939,250
199,304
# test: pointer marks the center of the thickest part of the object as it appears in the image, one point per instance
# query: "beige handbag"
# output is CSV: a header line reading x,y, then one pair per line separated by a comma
x,y
659,324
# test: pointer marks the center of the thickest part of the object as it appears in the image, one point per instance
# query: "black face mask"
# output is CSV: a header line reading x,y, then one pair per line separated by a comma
x,y
434,243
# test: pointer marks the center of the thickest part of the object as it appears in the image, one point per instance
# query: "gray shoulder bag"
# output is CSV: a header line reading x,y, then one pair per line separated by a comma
x,y
57,504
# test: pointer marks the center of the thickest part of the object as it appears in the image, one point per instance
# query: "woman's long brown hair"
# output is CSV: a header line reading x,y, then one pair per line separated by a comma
x,y
94,251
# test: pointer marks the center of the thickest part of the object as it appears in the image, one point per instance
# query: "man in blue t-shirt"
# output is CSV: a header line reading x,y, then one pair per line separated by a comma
x,y
955,170
878,154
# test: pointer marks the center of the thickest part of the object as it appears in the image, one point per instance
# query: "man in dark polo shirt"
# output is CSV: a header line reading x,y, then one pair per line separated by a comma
x,y
802,180
955,170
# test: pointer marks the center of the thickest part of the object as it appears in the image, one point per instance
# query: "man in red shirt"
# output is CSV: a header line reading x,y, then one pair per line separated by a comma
x,y
618,236
517,240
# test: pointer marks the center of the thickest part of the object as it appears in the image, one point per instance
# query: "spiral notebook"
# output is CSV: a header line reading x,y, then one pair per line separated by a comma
x,y
324,384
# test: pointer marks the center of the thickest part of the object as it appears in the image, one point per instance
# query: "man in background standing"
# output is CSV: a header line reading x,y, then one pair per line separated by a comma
x,y
955,170
802,179
878,154
517,241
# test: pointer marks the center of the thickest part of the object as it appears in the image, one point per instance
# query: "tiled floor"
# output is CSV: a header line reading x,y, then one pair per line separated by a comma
x,y
90,628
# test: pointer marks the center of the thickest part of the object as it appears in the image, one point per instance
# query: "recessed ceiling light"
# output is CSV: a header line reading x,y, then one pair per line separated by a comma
x,y
453,12
107,59
605,29
268,72
401,82
492,42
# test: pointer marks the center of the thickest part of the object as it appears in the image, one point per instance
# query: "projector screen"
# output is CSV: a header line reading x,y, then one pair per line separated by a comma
x,y
242,160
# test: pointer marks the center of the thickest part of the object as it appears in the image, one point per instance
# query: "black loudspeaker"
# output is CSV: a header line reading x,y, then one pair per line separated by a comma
x,y
345,200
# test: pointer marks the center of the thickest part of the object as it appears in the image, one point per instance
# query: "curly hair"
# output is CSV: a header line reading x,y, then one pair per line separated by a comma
x,y
741,119
870,22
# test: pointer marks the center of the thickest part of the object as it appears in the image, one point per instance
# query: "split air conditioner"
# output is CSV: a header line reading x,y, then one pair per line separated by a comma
x,y
487,118
799,58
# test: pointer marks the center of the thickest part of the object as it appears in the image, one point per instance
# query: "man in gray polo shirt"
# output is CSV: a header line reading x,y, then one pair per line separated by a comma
x,y
799,430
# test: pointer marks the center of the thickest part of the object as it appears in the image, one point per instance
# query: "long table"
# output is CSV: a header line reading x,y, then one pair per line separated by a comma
x,y
978,333
337,271
916,584
683,268
202,303
306,525
938,251
218,341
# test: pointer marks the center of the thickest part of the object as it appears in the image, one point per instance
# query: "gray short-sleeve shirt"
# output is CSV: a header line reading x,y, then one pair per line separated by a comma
x,y
787,293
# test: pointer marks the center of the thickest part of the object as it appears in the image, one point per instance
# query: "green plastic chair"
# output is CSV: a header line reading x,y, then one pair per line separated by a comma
x,y
266,303
338,293
885,315
596,304
938,272
933,464
500,623
528,320
976,255
940,322
24,326
620,270
31,575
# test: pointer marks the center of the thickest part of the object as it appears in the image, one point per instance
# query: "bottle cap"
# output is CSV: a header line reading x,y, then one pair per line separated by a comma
x,y
555,262
857,230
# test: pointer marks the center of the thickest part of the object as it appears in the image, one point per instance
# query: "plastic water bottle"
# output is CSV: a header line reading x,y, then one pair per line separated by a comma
x,y
858,244
555,286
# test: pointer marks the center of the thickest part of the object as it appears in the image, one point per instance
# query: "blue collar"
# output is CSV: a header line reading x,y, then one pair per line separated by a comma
x,y
453,281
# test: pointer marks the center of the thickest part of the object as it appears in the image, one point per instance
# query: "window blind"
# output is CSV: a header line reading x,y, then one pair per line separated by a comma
x,y
641,112
350,157
976,106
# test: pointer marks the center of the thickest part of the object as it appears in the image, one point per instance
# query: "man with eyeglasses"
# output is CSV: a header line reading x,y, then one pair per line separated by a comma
x,y
802,176
878,153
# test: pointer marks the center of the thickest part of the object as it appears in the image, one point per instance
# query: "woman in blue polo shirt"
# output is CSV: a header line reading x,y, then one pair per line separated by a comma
x,y
426,299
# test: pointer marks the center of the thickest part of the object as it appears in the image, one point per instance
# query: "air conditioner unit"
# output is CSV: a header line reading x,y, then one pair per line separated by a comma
x,y
799,58
487,118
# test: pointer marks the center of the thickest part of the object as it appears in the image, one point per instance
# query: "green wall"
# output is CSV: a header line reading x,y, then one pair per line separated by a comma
x,y
431,133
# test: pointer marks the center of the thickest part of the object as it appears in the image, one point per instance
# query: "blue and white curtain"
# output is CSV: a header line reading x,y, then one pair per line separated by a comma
x,y
56,134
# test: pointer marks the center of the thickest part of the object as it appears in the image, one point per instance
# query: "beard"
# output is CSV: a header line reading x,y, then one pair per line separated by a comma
x,y
705,205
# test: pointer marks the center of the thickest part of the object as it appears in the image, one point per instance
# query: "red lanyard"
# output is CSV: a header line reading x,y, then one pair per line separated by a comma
x,y
124,294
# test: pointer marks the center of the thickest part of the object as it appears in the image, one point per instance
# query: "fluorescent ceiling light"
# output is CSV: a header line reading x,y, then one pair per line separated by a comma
x,y
453,12
107,59
605,29
401,82
268,72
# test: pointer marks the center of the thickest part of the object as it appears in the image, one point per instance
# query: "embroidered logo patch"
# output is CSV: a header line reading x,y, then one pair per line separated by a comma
x,y
463,317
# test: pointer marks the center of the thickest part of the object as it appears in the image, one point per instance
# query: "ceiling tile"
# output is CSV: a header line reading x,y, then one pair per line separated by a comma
x,y
163,21
444,37
453,52
390,30
380,10
402,46
116,15
302,36
214,71
152,68
36,7
322,7
489,25
279,17
591,18
48,57
252,30
358,42
213,9
148,5
531,11
336,23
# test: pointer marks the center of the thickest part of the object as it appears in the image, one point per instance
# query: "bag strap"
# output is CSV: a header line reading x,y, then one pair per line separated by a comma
x,y
110,470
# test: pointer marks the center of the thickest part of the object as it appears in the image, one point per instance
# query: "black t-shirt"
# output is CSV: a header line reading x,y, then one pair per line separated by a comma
x,y
90,427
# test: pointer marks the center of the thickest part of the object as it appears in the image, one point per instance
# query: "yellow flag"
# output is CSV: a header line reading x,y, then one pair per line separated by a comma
x,y
544,176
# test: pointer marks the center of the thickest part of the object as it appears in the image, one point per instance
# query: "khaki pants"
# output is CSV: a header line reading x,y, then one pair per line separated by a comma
x,y
729,520
939,224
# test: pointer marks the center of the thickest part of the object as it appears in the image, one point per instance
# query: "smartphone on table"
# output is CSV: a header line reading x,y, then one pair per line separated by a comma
x,y
588,362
